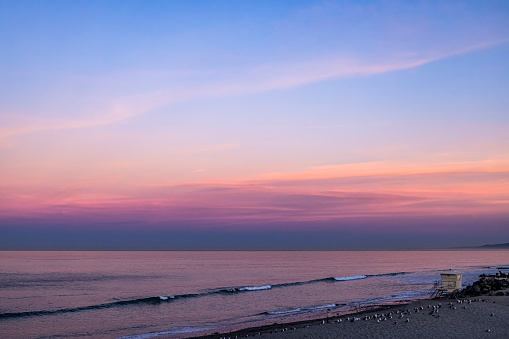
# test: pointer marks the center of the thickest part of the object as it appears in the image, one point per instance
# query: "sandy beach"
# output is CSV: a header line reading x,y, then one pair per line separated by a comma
x,y
476,317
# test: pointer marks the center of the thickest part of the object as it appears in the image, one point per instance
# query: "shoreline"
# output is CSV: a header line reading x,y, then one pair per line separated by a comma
x,y
472,317
279,326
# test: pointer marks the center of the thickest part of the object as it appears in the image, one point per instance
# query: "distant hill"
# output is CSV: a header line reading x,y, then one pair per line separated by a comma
x,y
506,245
486,247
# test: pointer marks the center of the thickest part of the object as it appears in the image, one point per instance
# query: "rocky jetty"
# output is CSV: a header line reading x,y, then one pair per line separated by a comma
x,y
494,285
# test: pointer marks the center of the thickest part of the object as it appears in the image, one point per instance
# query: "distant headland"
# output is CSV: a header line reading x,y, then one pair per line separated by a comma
x,y
506,245
489,246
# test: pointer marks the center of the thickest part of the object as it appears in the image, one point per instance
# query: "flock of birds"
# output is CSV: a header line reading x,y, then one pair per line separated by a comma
x,y
398,315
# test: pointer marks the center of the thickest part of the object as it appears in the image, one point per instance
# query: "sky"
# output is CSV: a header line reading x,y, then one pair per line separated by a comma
x,y
252,125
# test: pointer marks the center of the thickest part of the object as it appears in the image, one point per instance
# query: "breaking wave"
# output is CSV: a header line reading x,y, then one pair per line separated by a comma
x,y
244,289
175,330
300,309
355,277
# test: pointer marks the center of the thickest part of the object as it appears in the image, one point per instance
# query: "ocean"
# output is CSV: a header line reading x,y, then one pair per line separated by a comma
x,y
184,294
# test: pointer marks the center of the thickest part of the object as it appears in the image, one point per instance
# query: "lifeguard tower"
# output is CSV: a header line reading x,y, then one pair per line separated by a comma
x,y
450,284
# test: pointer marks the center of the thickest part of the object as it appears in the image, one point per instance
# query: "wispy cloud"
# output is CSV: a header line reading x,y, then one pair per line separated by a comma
x,y
394,168
268,77
117,113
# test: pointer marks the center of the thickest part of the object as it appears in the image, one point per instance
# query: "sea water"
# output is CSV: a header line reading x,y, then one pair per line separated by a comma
x,y
184,294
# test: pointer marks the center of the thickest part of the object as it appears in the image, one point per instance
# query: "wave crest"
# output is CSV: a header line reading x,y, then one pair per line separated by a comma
x,y
256,288
355,277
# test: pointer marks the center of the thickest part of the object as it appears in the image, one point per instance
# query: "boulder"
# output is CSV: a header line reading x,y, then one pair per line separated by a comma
x,y
487,285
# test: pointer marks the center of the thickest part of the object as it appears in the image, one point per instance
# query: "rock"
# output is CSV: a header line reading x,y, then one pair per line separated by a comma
x,y
487,285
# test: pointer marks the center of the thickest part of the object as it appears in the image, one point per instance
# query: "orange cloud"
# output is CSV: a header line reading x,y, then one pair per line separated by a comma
x,y
263,202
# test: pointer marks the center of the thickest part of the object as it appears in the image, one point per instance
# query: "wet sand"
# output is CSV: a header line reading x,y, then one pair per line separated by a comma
x,y
475,317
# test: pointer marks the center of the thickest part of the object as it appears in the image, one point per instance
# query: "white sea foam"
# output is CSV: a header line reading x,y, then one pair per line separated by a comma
x,y
355,277
163,297
285,311
302,309
409,295
255,288
323,306
174,330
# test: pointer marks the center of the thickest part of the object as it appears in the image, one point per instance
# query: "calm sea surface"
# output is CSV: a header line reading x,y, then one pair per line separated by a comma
x,y
181,294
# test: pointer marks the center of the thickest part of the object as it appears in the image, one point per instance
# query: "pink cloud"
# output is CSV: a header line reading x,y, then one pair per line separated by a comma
x,y
263,203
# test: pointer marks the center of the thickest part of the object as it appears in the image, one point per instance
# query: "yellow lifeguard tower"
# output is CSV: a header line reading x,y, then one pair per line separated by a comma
x,y
451,283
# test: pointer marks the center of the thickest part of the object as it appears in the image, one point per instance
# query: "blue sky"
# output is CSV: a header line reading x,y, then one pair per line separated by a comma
x,y
142,108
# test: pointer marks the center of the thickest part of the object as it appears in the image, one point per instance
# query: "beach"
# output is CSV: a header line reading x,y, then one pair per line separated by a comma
x,y
475,317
